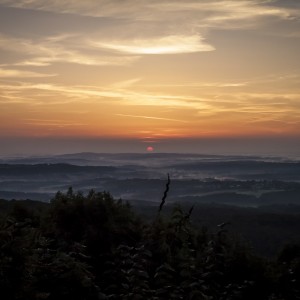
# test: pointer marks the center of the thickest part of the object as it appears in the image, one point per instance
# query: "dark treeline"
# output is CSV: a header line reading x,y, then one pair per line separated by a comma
x,y
266,228
95,247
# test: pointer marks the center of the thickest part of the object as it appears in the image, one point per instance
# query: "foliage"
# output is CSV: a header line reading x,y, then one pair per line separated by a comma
x,y
95,247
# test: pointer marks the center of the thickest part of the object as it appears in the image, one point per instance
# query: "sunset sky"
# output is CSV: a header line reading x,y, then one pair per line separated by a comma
x,y
124,75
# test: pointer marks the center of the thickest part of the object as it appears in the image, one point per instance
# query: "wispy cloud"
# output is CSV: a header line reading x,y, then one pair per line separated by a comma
x,y
153,9
178,23
169,27
57,49
92,94
219,112
7,73
273,81
199,84
78,58
160,45
241,104
125,83
151,118
51,123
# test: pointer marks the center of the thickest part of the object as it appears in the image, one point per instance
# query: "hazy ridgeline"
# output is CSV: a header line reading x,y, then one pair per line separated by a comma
x,y
246,181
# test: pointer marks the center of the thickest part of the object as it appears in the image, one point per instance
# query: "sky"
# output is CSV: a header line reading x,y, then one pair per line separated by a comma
x,y
217,76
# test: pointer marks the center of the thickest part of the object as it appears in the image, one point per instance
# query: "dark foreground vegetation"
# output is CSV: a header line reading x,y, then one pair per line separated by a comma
x,y
94,247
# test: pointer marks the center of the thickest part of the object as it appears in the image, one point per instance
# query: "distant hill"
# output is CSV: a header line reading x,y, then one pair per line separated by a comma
x,y
238,180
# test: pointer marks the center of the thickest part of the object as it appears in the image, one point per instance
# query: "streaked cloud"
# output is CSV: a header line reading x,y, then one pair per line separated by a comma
x,y
161,45
152,9
54,49
7,73
209,104
52,123
88,94
77,58
169,18
125,83
200,85
152,118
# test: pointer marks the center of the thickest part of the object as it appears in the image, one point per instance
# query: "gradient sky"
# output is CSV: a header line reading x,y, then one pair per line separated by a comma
x,y
121,75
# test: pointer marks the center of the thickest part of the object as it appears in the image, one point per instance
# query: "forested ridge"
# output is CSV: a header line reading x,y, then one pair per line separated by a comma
x,y
95,247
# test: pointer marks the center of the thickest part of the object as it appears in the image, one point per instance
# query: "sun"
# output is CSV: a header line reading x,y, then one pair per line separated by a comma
x,y
150,149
